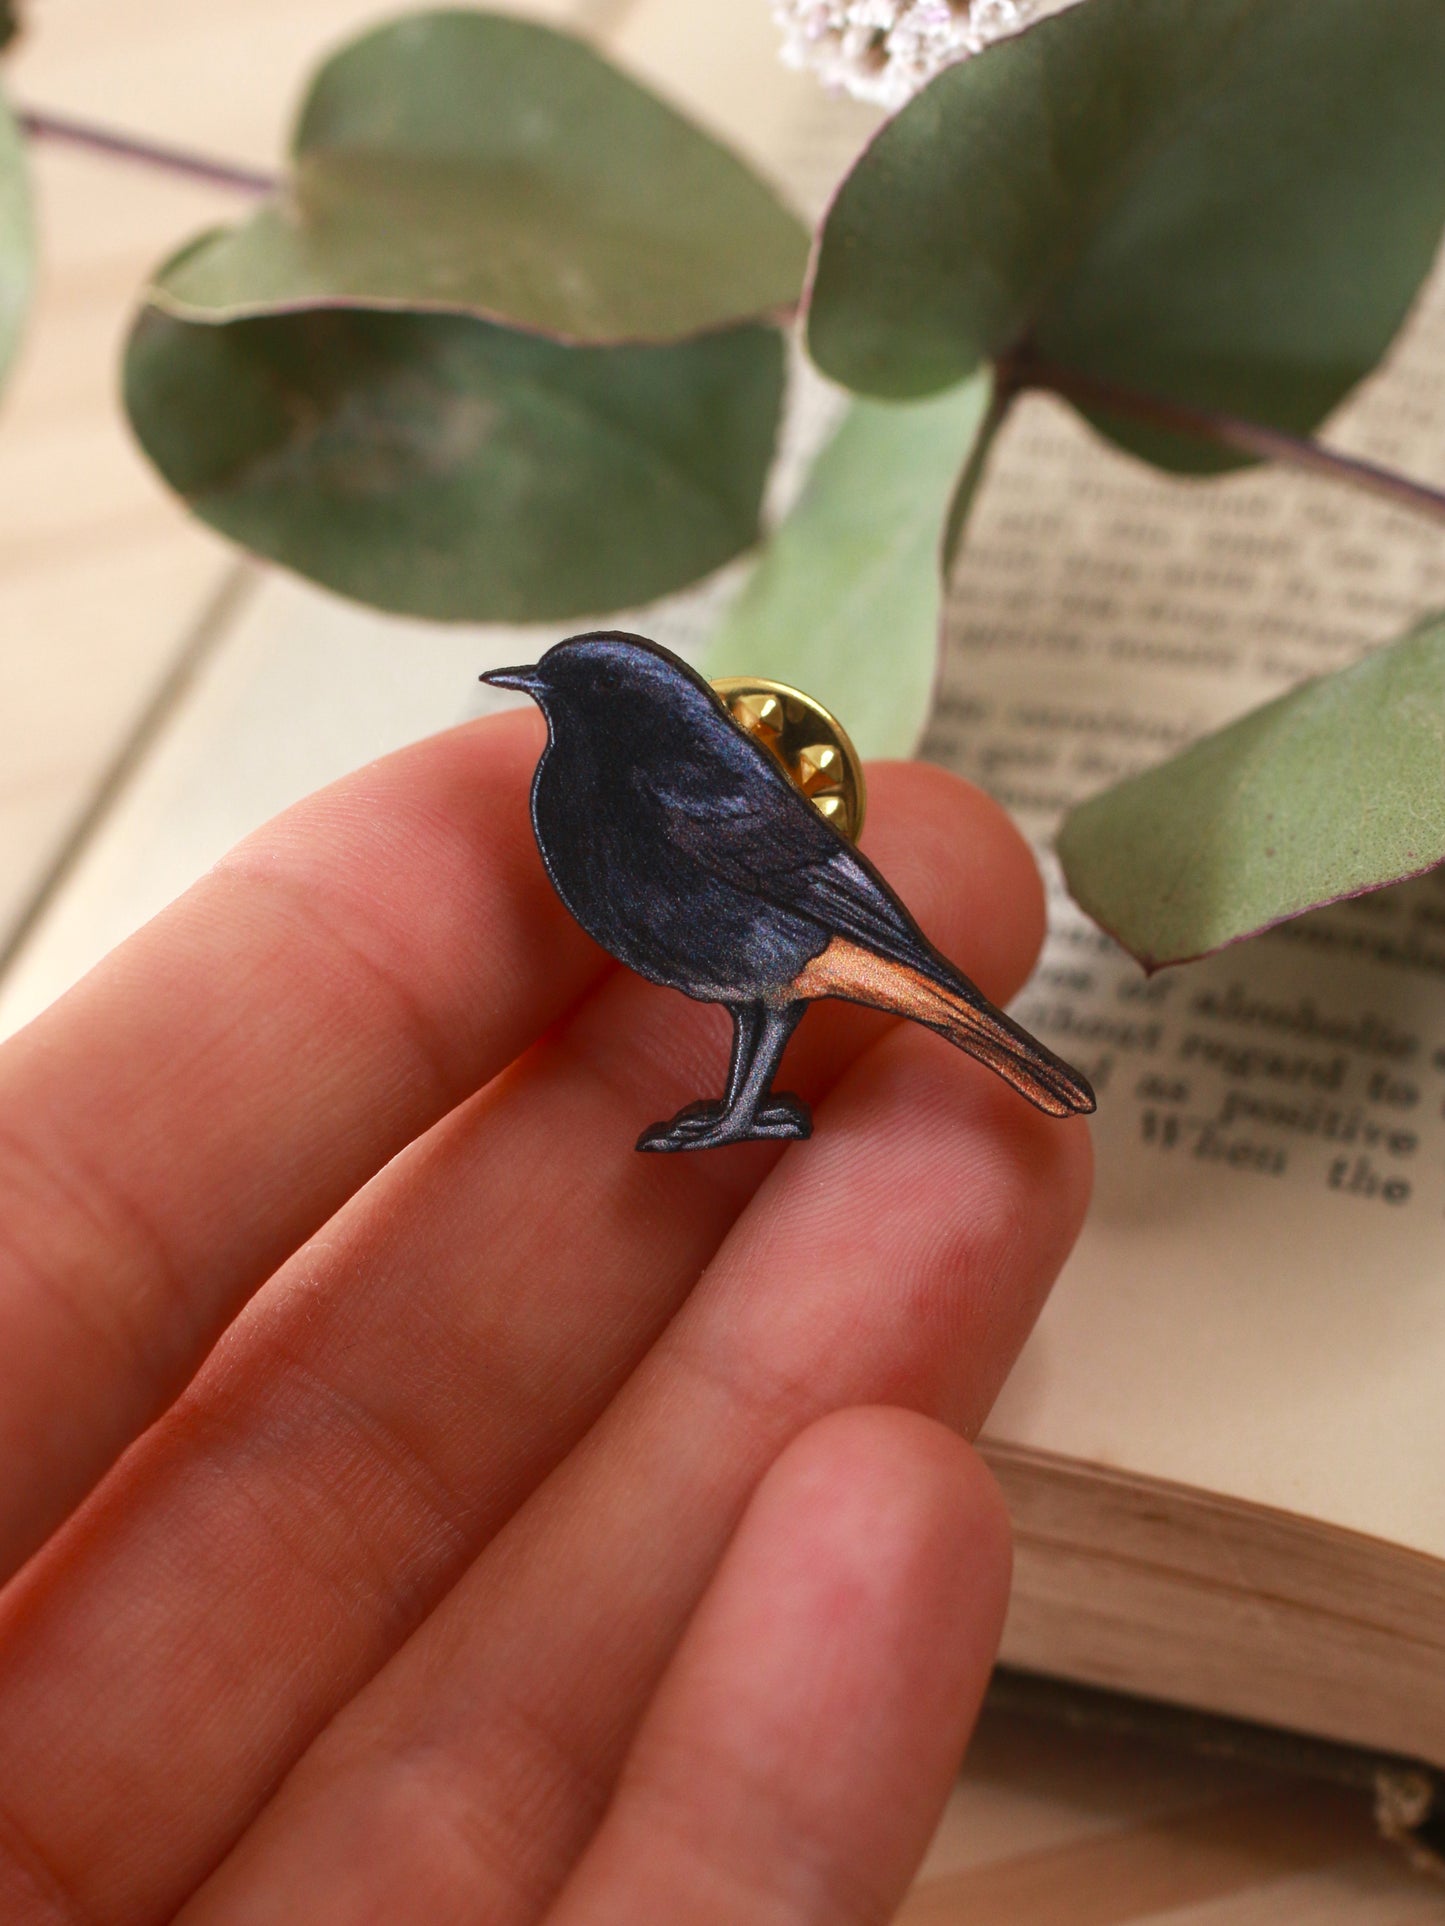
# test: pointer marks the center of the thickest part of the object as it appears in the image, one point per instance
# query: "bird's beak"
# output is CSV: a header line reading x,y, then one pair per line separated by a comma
x,y
525,679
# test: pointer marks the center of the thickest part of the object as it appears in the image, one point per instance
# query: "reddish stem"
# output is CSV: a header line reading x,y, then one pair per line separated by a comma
x,y
145,153
1241,437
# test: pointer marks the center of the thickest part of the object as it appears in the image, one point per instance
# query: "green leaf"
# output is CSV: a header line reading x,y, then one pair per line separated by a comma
x,y
464,162
9,21
846,599
1228,203
17,237
1335,789
444,467
503,350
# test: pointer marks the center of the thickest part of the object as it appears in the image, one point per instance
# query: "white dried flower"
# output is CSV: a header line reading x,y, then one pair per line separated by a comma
x,y
885,50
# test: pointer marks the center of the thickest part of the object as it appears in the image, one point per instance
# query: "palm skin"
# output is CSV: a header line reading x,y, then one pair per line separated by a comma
x,y
418,1506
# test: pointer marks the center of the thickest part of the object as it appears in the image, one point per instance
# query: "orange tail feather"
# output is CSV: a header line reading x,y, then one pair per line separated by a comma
x,y
861,976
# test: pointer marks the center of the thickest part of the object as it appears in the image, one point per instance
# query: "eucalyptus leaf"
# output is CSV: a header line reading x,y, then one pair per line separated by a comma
x,y
444,467
1227,203
17,237
846,600
466,162
1335,789
503,348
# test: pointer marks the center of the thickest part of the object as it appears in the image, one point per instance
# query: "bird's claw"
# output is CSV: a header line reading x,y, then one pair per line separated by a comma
x,y
708,1126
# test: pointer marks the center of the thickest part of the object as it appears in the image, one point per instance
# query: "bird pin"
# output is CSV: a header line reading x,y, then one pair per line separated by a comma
x,y
681,846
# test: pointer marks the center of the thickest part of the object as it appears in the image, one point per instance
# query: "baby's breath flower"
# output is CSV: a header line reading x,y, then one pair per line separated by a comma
x,y
884,50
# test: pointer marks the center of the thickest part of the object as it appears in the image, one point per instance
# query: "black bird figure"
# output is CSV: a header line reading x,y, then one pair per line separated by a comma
x,y
680,845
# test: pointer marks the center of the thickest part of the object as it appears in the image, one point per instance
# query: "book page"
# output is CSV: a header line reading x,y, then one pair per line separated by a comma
x,y
1256,1306
1258,1303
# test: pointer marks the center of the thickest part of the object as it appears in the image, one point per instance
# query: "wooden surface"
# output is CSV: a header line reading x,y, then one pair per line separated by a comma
x,y
105,586
1056,1828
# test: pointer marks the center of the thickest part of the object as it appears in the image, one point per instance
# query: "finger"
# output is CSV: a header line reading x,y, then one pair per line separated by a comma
x,y
899,1259
181,1121
395,1393
796,1758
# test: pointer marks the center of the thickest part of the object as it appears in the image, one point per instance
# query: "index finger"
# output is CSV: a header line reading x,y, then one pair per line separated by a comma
x,y
205,1099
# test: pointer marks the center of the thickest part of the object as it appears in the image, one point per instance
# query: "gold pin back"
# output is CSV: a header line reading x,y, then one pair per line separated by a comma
x,y
811,745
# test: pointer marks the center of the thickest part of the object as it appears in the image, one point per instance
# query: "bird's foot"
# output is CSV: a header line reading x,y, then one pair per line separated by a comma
x,y
708,1126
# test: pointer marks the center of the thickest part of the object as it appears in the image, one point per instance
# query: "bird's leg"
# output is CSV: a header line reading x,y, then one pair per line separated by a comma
x,y
753,1106
697,1119
750,1108
747,1031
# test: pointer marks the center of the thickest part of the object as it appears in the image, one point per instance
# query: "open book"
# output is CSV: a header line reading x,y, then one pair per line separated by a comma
x,y
1225,1445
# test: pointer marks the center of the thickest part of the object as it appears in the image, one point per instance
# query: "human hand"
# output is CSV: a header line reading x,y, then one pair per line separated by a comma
x,y
435,1510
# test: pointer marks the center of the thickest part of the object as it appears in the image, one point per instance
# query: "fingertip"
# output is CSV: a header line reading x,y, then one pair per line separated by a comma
x,y
1042,1156
1009,1188
889,1492
1076,1173
855,1462
962,865
948,1206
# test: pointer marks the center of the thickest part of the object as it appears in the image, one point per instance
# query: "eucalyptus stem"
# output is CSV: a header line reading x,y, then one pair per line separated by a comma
x,y
39,125
1241,437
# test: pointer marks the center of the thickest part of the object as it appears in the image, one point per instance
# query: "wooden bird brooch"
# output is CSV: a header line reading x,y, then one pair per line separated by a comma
x,y
679,843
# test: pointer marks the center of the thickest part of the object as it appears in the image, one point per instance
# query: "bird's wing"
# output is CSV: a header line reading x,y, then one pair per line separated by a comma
x,y
848,898
733,810
766,840
742,820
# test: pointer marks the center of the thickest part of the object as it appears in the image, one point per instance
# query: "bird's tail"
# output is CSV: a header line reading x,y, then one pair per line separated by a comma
x,y
957,1011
